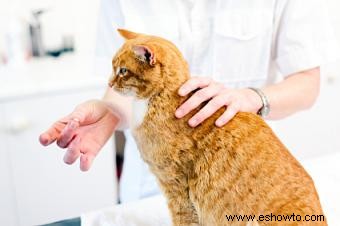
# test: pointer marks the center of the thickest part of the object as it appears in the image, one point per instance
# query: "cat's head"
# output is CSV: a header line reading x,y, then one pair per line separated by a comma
x,y
146,65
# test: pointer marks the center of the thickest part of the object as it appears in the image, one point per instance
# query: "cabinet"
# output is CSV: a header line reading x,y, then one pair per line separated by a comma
x,y
7,200
37,187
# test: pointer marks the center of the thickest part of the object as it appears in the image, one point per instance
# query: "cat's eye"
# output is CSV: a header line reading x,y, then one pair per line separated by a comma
x,y
123,71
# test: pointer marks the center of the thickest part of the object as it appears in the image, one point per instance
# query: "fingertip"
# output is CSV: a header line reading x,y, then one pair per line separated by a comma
x,y
179,113
193,122
182,91
61,143
220,123
85,162
67,160
44,139
84,169
69,157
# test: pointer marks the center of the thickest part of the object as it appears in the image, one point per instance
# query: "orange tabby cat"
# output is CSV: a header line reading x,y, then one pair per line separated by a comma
x,y
207,173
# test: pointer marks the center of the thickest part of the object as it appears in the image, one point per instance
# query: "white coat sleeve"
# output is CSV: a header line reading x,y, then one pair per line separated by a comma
x,y
303,38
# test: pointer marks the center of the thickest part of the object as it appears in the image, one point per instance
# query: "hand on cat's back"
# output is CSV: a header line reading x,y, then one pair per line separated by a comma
x,y
217,95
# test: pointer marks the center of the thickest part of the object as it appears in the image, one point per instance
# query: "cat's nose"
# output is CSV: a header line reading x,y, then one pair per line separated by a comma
x,y
112,81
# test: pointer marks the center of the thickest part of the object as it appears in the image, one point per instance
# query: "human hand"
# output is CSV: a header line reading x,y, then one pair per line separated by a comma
x,y
235,100
84,132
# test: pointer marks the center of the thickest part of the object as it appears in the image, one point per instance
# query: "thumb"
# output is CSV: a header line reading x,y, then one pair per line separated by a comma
x,y
87,112
80,114
72,122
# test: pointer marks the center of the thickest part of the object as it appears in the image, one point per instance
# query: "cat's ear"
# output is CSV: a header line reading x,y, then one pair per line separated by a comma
x,y
144,54
127,34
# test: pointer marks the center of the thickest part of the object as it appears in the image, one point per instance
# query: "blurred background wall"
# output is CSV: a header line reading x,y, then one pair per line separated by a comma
x,y
61,18
36,187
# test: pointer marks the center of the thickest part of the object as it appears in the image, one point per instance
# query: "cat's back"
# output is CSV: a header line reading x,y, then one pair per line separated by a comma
x,y
243,168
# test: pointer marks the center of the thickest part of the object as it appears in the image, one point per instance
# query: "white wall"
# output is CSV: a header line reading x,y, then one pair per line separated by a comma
x,y
333,69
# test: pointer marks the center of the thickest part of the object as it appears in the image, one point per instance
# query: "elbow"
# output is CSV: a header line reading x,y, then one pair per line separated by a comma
x,y
312,88
311,101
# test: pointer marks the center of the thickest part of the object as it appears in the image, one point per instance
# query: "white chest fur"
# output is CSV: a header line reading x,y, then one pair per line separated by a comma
x,y
139,110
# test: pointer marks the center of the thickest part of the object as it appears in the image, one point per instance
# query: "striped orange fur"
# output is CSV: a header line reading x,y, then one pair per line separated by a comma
x,y
207,172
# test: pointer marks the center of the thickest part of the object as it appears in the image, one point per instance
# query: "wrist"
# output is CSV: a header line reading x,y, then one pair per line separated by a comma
x,y
262,102
118,113
254,100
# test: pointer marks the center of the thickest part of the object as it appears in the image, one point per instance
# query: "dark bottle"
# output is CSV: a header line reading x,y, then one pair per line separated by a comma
x,y
36,34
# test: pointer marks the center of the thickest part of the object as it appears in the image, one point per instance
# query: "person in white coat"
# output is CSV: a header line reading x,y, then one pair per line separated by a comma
x,y
276,47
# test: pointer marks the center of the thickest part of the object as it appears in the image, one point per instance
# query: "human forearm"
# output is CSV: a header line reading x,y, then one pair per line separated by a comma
x,y
297,92
120,106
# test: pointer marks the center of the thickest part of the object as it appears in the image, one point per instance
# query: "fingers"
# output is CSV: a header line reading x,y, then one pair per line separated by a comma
x,y
73,151
46,139
197,98
80,113
192,84
56,131
86,161
74,120
231,111
218,95
208,110
84,149
68,133
52,133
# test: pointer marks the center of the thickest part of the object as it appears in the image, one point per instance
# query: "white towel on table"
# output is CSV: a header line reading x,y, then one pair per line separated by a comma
x,y
153,211
146,212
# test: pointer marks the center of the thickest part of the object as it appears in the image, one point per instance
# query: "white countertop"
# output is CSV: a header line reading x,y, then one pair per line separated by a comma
x,y
48,75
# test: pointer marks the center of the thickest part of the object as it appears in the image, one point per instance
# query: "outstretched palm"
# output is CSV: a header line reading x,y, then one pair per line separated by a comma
x,y
84,132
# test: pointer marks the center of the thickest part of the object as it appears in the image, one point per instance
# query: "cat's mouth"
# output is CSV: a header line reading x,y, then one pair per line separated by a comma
x,y
124,87
116,86
124,91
